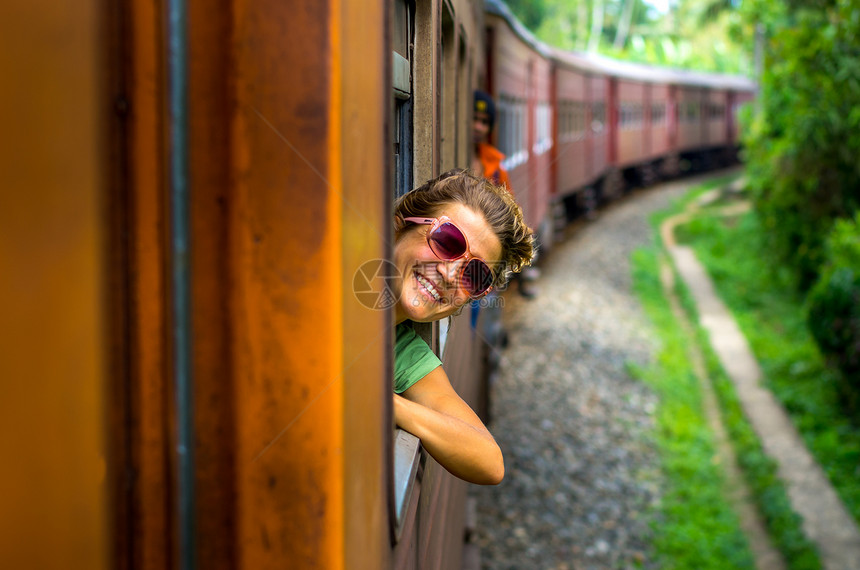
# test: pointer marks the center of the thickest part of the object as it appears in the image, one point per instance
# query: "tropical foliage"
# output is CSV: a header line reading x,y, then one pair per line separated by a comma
x,y
802,144
834,308
697,34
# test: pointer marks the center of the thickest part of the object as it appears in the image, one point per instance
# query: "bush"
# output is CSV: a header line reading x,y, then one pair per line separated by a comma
x,y
834,308
801,147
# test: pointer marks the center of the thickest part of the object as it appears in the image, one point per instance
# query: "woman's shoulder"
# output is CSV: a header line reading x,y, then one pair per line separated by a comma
x,y
413,358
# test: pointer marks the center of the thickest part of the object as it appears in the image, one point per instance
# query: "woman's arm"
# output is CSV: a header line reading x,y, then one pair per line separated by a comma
x,y
449,430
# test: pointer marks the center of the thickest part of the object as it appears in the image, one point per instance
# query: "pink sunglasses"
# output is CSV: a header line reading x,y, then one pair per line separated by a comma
x,y
449,243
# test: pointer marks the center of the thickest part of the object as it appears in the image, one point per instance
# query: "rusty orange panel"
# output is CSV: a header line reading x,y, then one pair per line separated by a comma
x,y
362,108
53,511
289,194
285,305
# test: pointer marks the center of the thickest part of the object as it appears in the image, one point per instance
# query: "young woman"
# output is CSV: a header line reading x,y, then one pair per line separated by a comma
x,y
457,237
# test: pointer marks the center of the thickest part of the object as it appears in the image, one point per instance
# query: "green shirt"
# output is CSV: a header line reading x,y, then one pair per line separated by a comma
x,y
413,359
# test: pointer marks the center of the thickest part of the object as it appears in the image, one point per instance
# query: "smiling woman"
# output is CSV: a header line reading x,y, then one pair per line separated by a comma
x,y
456,237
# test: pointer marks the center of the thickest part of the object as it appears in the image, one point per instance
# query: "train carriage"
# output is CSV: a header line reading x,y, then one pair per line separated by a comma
x,y
218,192
518,77
582,153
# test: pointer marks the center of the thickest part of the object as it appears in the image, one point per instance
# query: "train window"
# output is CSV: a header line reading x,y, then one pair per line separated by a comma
x,y
630,115
401,36
512,128
564,120
402,42
571,120
581,120
625,116
691,112
598,117
658,113
406,448
543,122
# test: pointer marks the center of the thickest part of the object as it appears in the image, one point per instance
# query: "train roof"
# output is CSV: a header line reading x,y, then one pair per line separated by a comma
x,y
595,63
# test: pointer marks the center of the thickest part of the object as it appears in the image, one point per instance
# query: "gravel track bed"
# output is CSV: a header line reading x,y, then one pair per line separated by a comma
x,y
575,428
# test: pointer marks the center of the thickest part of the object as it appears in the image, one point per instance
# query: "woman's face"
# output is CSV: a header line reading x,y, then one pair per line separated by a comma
x,y
427,287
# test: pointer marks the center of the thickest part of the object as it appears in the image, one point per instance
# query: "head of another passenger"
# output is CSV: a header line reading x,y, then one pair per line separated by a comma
x,y
456,238
484,116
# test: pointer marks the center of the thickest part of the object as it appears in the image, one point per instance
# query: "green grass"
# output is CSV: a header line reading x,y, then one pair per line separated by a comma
x,y
696,527
759,471
772,318
685,443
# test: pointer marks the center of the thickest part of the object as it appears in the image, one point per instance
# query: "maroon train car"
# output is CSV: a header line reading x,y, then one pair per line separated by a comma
x,y
519,77
615,124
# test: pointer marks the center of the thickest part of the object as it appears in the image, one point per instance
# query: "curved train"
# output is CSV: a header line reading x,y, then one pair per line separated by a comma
x,y
196,220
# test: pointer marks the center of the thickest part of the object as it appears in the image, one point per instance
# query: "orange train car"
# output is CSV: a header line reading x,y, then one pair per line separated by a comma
x,y
192,194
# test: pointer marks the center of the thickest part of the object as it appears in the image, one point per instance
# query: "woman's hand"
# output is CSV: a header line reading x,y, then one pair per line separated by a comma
x,y
449,430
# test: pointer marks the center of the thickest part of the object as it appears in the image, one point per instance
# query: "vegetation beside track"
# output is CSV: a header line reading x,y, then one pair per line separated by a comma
x,y
696,527
671,378
771,314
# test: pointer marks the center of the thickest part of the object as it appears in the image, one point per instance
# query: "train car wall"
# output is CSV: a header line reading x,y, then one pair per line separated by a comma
x,y
54,264
659,143
289,176
448,52
631,125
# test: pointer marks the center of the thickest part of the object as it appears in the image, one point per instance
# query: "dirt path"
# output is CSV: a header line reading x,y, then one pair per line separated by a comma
x,y
826,521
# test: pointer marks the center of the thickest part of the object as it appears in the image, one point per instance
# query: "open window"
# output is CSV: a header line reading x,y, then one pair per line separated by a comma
x,y
407,460
403,30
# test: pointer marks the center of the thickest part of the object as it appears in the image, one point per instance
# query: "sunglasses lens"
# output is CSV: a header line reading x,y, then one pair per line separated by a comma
x,y
477,277
448,242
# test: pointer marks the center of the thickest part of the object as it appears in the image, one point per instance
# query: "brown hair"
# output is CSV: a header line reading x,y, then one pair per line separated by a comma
x,y
495,203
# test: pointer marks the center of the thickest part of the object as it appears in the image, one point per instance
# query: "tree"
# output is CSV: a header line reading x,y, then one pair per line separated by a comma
x,y
694,34
530,12
802,147
596,25
624,25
